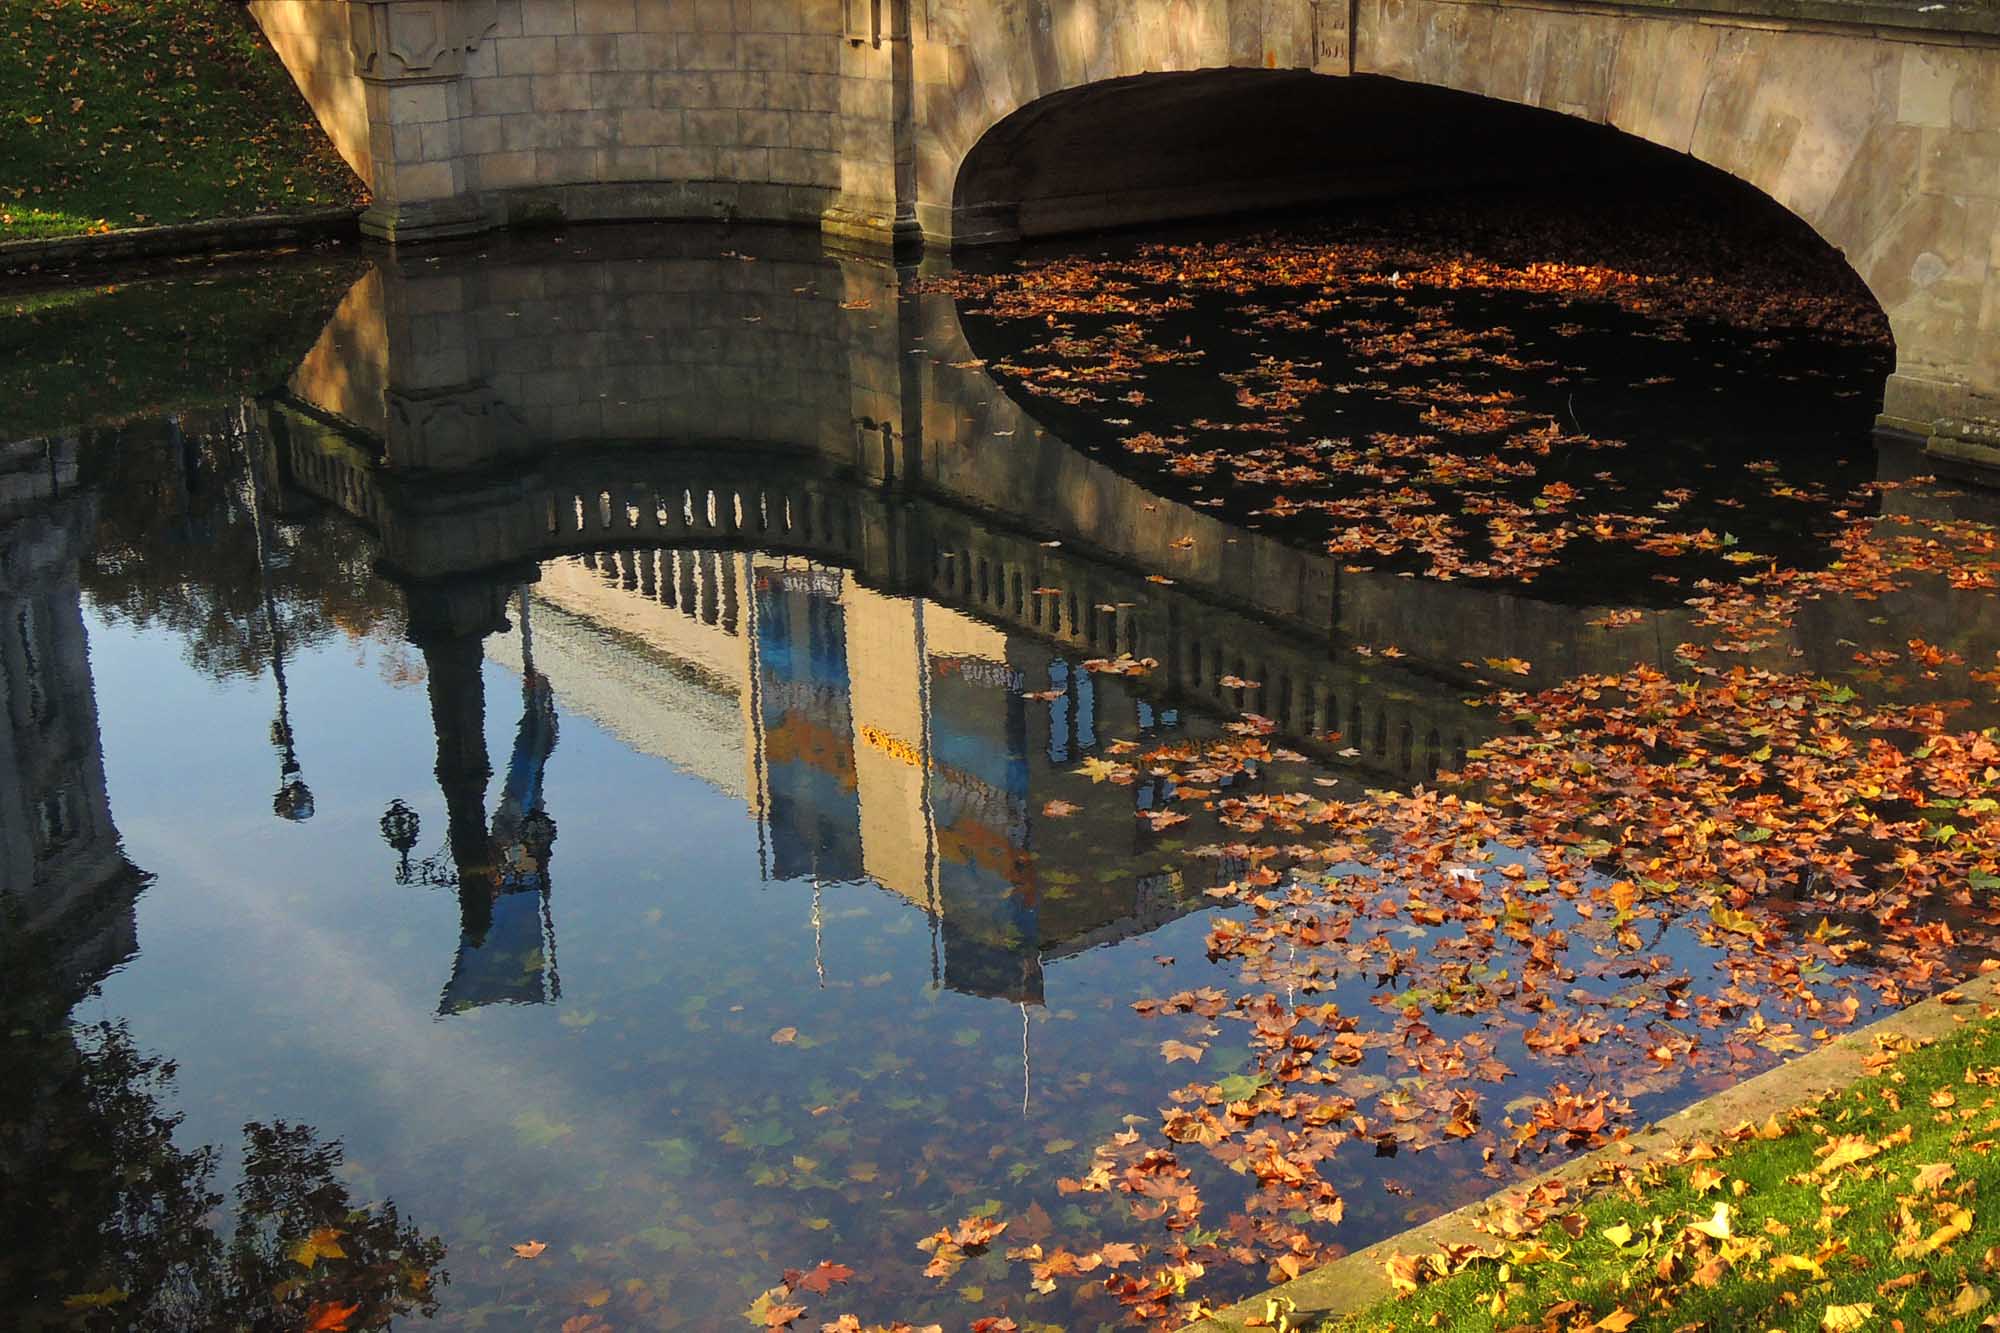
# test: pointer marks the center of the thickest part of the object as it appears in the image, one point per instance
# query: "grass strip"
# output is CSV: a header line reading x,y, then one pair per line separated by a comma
x,y
118,113
1874,1208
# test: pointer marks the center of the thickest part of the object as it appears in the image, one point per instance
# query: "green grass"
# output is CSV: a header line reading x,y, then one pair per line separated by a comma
x,y
119,113
1810,1242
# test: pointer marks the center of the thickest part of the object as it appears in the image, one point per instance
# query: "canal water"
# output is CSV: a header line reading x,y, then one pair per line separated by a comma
x,y
547,784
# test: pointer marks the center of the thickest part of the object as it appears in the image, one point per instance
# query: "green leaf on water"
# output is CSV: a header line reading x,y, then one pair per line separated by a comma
x,y
761,1134
1238,1086
664,1239
536,1130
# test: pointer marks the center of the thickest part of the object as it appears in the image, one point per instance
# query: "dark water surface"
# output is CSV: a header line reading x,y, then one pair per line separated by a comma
x,y
557,744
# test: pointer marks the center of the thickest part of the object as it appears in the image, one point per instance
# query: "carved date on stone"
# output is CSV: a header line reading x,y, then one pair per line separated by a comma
x,y
1333,36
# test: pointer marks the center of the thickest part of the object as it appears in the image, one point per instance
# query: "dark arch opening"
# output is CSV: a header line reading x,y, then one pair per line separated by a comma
x,y
1219,143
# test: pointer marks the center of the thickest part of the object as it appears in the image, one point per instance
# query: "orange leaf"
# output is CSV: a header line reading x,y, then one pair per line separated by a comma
x,y
821,1279
329,1317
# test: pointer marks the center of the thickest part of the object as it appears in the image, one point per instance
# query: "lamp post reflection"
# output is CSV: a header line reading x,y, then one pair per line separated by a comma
x,y
499,867
294,799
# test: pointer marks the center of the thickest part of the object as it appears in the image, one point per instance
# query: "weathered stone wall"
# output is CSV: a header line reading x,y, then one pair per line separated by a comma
x,y
463,114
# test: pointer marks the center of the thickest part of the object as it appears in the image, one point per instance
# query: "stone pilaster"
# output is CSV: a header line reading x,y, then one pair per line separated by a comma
x,y
411,57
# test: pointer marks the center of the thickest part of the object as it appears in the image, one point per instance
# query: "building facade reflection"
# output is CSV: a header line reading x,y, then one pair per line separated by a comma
x,y
872,736
66,880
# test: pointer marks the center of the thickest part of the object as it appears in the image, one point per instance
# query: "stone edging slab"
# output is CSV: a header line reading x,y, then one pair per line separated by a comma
x,y
180,238
1356,1281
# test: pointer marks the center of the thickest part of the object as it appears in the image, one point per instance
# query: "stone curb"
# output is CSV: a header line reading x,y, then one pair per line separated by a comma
x,y
1357,1281
262,231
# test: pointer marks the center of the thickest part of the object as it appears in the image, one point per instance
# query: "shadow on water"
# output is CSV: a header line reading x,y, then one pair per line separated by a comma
x,y
701,586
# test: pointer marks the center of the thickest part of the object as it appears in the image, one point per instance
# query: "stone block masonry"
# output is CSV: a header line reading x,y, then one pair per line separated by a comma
x,y
464,115
1876,123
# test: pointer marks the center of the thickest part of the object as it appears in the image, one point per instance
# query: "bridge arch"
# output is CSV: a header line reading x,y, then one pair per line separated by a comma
x,y
1845,130
1194,144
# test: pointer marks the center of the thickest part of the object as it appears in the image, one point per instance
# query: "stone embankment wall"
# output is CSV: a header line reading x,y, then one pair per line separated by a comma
x,y
1879,125
466,114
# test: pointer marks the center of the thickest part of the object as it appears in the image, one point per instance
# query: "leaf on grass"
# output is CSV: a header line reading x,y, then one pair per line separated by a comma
x,y
1845,1151
1846,1318
1717,1225
1970,1297
1960,1222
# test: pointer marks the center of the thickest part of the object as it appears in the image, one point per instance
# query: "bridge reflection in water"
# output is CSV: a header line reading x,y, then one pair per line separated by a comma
x,y
767,520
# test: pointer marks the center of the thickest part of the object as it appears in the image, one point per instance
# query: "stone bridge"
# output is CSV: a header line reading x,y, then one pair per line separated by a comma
x,y
1876,123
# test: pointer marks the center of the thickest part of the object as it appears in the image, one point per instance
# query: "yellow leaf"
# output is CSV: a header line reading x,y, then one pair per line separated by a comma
x,y
1620,1235
1717,1226
323,1243
1704,1178
1617,1321
1960,1222
1969,1298
1845,1151
1733,921
1796,1263
94,1300
1931,1176
1845,1318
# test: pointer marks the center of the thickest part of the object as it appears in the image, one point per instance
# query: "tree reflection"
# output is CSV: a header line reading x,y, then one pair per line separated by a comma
x,y
111,1224
191,539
